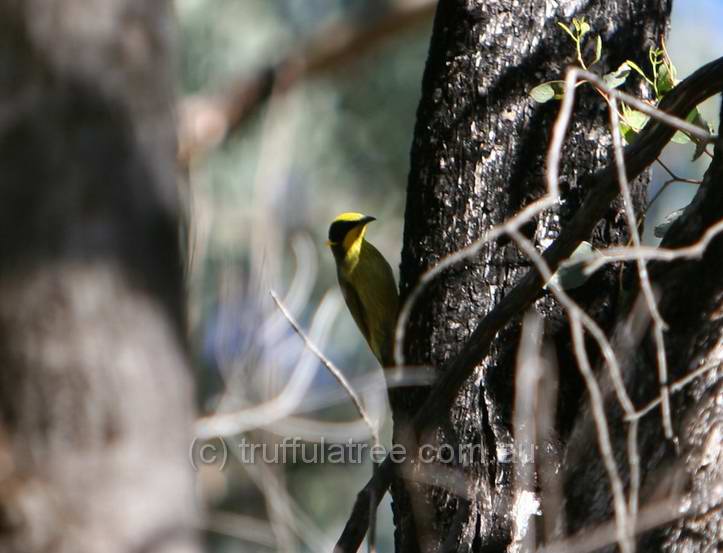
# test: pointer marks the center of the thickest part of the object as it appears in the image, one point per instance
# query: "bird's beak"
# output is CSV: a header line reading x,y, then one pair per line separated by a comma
x,y
328,243
366,220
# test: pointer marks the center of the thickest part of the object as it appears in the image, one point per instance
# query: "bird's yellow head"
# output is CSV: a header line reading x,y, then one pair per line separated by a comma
x,y
346,233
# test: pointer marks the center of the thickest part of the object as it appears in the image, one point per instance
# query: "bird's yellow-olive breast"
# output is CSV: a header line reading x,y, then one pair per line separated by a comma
x,y
366,281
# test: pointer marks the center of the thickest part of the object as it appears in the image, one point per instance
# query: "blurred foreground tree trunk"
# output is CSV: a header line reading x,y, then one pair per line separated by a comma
x,y
477,159
95,386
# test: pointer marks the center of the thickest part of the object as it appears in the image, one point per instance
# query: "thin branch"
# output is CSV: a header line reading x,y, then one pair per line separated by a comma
x,y
674,387
335,372
283,506
286,402
374,496
659,325
527,383
697,249
634,464
245,528
576,316
358,522
673,178
592,539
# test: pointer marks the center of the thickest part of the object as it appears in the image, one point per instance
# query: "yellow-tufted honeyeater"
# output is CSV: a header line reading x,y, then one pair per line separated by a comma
x,y
367,282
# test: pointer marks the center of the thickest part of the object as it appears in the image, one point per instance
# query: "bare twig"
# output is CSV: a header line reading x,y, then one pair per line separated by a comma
x,y
634,464
659,325
335,372
359,520
674,177
675,387
281,405
592,539
356,400
286,510
527,383
245,528
696,249
576,316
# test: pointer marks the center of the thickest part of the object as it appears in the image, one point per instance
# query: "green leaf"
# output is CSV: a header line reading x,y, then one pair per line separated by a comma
x,y
598,50
636,67
696,118
551,90
582,27
664,81
571,273
670,67
542,93
567,30
636,119
680,138
700,145
627,132
617,77
631,123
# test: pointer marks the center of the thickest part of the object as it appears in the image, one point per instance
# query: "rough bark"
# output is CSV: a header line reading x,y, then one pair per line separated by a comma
x,y
477,157
95,387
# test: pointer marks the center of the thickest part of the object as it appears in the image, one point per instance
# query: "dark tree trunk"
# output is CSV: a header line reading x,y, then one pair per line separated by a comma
x,y
95,386
477,158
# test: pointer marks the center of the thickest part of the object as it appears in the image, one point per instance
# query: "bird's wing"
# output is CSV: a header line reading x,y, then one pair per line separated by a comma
x,y
356,307
385,300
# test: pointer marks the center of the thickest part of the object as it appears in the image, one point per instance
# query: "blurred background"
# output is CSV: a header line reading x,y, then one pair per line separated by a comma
x,y
332,135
